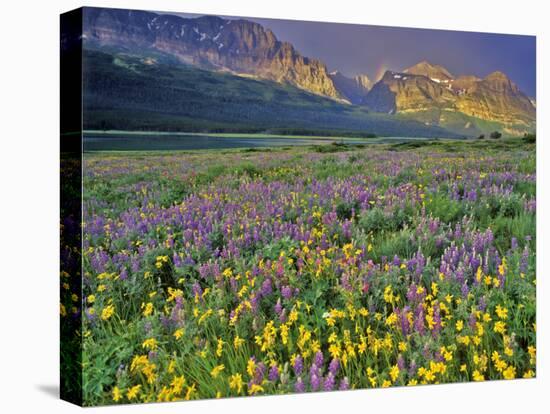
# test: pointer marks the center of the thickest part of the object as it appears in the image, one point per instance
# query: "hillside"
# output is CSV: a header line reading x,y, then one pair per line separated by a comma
x,y
210,42
128,92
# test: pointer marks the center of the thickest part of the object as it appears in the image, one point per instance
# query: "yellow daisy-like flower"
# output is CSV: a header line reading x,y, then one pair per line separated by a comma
x,y
117,395
133,392
148,309
509,373
236,382
478,376
501,312
216,370
150,343
107,312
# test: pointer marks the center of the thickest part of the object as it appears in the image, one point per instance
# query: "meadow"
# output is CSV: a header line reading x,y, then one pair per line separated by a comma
x,y
270,271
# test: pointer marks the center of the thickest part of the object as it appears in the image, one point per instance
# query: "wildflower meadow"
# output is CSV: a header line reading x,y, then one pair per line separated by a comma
x,y
210,274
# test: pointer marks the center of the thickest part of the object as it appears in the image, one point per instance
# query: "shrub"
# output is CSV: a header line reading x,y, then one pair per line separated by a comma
x,y
530,138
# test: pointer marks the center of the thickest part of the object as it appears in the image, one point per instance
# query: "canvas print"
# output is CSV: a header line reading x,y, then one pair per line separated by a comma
x,y
254,206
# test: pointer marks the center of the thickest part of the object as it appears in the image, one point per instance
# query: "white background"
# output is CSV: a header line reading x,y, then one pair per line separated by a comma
x,y
29,193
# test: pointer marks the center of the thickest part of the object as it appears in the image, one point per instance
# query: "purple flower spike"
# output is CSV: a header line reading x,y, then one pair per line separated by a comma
x,y
299,385
273,373
328,385
334,366
278,307
315,382
319,359
286,292
344,384
298,365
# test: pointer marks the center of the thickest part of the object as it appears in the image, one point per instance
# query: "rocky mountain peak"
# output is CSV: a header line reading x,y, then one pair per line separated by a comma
x,y
498,81
364,81
497,75
354,90
430,70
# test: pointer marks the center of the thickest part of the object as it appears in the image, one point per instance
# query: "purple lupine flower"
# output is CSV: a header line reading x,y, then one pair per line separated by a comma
x,y
344,384
260,373
437,320
314,369
176,259
472,320
298,365
396,261
315,382
419,320
299,385
411,293
282,316
471,195
124,274
286,292
267,288
400,362
197,289
460,276
412,368
278,307
273,373
319,359
482,304
334,366
329,382
345,282
524,262
404,320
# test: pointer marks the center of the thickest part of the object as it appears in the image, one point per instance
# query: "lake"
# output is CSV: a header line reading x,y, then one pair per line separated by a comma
x,y
163,141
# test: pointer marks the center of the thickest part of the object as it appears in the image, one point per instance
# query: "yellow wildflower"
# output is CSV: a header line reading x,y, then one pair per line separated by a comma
x,y
117,395
150,343
133,392
216,370
501,312
236,382
238,341
394,373
107,312
148,309
478,376
509,373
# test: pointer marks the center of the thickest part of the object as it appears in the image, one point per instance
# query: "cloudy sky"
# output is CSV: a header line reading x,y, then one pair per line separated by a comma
x,y
364,49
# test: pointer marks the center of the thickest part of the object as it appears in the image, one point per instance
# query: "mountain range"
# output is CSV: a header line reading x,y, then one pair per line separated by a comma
x,y
425,94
